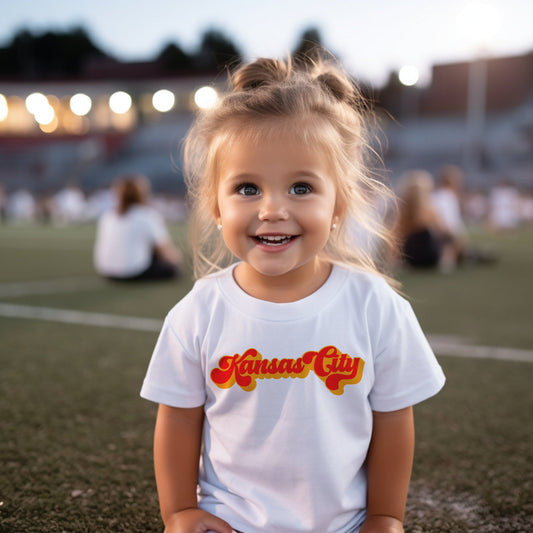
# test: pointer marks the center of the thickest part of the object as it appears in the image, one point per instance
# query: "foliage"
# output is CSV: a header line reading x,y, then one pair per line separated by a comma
x,y
56,54
217,52
309,46
49,54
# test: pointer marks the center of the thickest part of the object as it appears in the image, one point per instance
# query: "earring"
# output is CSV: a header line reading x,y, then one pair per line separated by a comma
x,y
219,227
333,226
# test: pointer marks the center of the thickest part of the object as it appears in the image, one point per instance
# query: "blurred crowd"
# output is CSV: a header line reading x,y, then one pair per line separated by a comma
x,y
71,205
504,206
434,213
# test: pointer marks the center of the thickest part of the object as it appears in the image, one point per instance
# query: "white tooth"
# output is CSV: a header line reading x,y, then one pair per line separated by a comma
x,y
274,239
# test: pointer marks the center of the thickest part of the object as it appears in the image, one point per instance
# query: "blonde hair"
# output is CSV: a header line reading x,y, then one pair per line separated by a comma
x,y
415,188
314,101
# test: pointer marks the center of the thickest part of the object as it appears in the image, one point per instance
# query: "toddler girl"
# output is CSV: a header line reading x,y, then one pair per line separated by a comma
x,y
285,378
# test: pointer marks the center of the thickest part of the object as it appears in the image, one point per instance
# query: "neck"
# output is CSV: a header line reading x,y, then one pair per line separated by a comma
x,y
289,287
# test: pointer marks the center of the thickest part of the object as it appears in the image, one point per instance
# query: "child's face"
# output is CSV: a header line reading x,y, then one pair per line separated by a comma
x,y
276,204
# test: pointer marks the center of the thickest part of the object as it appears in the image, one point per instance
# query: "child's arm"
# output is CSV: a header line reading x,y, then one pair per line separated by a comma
x,y
177,444
389,463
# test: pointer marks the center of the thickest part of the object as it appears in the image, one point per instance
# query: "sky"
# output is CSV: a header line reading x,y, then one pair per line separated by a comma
x,y
371,37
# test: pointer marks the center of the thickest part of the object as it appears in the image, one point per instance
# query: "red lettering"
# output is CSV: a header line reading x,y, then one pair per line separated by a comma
x,y
334,368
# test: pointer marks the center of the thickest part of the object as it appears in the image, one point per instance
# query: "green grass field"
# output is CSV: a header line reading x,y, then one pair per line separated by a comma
x,y
76,439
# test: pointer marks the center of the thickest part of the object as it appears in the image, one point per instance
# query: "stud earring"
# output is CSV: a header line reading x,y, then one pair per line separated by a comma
x,y
333,226
219,227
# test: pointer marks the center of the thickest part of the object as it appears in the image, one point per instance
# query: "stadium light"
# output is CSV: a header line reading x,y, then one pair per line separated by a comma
x,y
163,100
479,21
80,104
45,115
205,97
35,102
120,102
409,75
4,109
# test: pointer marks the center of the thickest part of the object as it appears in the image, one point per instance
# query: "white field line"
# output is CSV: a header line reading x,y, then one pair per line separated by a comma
x,y
464,349
29,288
69,316
442,345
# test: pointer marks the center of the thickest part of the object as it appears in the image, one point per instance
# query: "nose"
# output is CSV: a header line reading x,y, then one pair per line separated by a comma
x,y
273,208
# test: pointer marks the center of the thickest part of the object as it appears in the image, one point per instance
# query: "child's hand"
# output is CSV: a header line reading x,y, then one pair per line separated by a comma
x,y
382,524
196,521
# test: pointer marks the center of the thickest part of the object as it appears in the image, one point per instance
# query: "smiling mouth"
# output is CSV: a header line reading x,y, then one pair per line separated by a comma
x,y
274,240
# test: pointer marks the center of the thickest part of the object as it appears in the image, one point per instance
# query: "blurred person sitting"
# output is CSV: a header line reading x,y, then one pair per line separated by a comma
x,y
21,206
447,201
423,237
132,240
69,204
504,206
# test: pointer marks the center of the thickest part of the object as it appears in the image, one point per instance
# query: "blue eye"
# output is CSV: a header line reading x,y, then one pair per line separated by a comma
x,y
300,188
248,189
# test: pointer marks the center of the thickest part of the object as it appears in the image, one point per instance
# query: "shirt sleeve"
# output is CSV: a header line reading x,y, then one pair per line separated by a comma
x,y
174,376
406,371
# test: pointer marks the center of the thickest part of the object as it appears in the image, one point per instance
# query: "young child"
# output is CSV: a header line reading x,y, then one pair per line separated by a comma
x,y
286,376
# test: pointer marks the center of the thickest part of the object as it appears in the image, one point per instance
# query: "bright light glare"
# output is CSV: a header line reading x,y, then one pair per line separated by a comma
x,y
3,108
205,97
45,115
409,75
35,102
80,104
50,127
479,21
120,102
163,100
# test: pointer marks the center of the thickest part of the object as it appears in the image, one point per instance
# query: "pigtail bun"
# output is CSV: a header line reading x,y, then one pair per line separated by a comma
x,y
326,74
261,72
338,86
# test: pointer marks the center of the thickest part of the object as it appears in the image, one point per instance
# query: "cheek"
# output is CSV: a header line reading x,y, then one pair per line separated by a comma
x,y
235,219
324,211
227,209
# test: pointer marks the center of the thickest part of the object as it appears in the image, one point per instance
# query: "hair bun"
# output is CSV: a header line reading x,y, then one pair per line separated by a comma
x,y
263,71
339,87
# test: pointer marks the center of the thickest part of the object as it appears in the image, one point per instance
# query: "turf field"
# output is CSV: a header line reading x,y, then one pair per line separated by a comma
x,y
76,439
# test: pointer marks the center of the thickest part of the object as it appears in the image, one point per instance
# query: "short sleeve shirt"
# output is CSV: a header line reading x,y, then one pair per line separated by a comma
x,y
288,392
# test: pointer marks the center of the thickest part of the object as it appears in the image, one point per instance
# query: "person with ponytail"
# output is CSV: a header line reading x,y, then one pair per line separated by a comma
x,y
286,377
132,241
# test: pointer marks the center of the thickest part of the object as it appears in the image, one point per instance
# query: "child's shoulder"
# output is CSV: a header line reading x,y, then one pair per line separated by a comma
x,y
367,283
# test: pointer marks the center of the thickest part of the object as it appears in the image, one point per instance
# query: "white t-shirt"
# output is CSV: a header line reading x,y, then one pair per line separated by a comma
x,y
125,243
505,207
288,391
447,206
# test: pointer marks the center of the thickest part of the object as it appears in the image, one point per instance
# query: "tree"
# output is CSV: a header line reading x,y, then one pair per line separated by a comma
x,y
173,59
48,55
217,52
309,46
